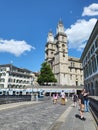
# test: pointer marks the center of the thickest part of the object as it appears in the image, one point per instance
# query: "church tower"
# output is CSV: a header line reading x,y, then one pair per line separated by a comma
x,y
61,55
56,53
67,70
50,49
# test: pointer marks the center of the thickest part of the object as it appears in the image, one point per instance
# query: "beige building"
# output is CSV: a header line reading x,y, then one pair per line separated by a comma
x,y
89,59
67,70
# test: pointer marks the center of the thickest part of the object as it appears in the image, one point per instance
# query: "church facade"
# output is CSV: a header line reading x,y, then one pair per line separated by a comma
x,y
67,70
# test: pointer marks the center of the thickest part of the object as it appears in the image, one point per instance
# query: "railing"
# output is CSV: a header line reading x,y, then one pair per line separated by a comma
x,y
94,107
5,99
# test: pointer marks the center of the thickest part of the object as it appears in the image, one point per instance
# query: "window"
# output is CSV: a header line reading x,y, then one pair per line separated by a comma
x,y
81,77
97,60
63,45
71,76
96,43
51,53
63,55
88,55
70,70
80,65
3,74
71,64
76,77
76,83
92,49
63,39
2,80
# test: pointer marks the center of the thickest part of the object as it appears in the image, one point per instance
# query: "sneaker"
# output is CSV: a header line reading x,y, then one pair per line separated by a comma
x,y
83,118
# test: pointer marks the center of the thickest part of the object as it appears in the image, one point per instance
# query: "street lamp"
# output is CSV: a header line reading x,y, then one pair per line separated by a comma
x,y
32,84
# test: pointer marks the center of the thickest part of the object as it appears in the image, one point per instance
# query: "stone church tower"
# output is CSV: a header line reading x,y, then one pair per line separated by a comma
x,y
56,54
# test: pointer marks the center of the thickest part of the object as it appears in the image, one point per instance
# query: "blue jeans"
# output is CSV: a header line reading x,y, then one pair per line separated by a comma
x,y
86,105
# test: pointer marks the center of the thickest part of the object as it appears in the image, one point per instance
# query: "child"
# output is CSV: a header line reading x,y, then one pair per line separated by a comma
x,y
74,98
55,97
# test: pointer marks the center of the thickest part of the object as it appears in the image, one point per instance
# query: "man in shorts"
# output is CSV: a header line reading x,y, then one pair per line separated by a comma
x,y
81,103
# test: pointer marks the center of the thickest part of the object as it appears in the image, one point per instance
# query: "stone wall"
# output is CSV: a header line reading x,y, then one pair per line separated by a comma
x,y
4,99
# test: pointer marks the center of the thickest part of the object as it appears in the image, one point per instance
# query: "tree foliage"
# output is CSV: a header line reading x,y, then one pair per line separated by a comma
x,y
46,74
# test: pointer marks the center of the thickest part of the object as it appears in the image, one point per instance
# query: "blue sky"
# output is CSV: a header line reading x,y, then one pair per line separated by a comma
x,y
24,26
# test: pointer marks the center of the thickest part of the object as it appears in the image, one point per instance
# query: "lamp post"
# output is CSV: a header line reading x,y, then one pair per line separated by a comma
x,y
10,74
11,69
32,84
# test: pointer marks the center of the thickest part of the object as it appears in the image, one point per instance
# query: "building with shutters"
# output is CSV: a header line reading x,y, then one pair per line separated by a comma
x,y
89,60
14,77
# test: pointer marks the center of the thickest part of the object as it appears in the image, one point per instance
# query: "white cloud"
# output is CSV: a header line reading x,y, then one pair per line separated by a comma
x,y
79,33
14,47
91,10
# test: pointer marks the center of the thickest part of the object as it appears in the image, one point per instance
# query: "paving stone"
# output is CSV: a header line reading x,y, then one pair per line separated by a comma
x,y
43,116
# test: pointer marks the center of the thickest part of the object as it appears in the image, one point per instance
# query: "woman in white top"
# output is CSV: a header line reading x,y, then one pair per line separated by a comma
x,y
63,96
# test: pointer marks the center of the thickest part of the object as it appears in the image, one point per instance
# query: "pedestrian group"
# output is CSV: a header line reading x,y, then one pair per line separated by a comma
x,y
62,96
81,99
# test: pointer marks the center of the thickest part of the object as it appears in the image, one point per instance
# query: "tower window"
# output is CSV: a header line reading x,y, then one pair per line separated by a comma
x,y
63,55
71,64
81,77
63,45
70,70
71,76
63,39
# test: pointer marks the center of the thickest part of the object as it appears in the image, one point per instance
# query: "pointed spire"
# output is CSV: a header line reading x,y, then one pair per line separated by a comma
x,y
60,27
60,22
50,37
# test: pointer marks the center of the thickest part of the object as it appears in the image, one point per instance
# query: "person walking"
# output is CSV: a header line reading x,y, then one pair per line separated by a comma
x,y
55,98
63,96
86,101
74,98
81,104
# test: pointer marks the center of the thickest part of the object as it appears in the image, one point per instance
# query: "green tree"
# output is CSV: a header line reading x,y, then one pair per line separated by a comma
x,y
46,74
